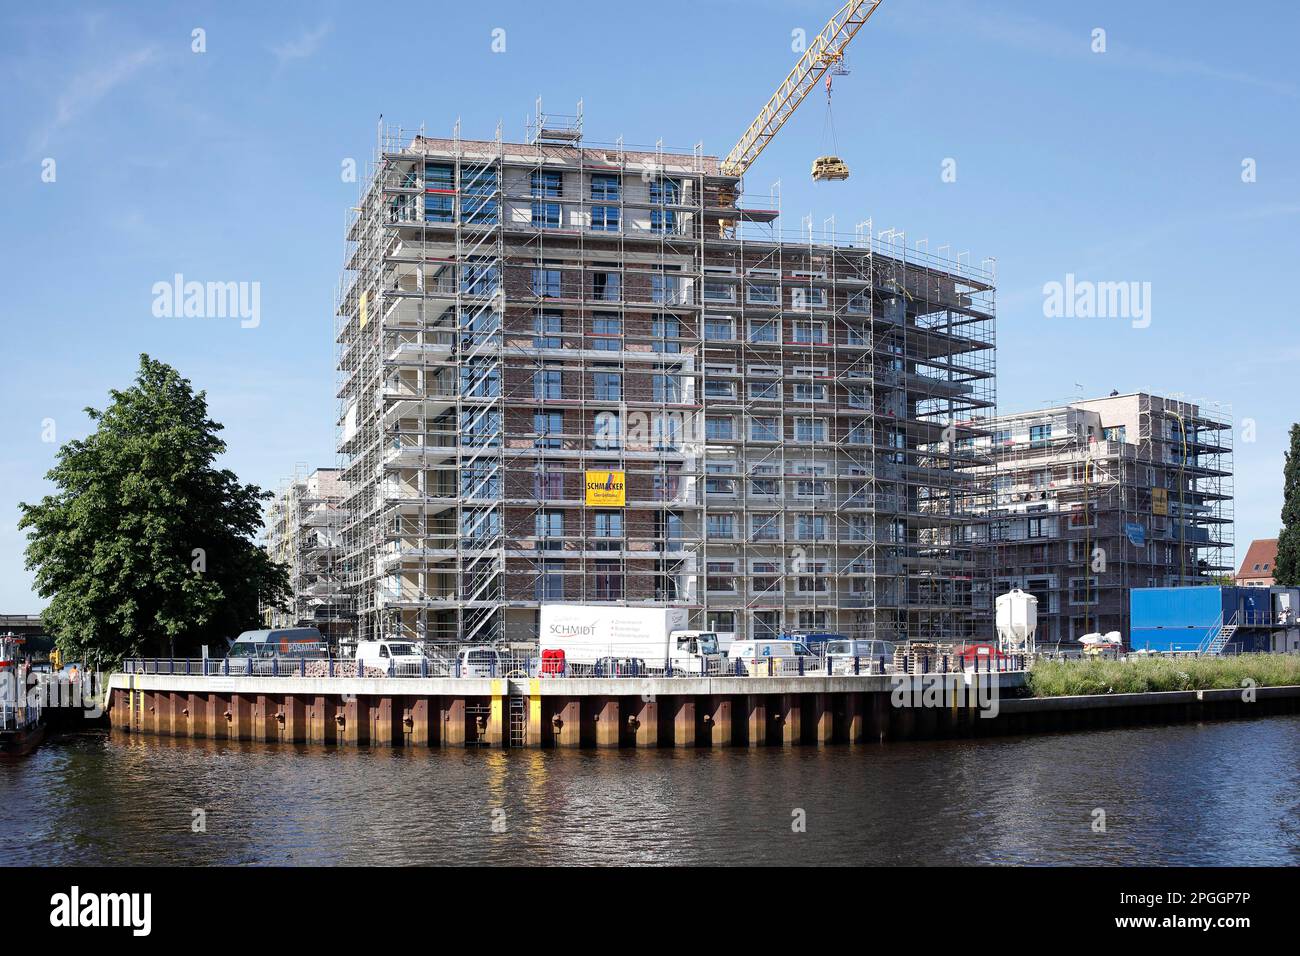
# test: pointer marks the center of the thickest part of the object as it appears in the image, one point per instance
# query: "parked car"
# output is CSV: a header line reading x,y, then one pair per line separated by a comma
x,y
480,662
394,658
753,656
842,653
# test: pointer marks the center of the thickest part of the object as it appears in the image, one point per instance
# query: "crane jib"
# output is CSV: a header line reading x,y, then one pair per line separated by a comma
x,y
825,51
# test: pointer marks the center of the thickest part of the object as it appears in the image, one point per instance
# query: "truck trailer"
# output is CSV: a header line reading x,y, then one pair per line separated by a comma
x,y
653,637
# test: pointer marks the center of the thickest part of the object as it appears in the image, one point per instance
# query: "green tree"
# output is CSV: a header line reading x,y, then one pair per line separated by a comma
x,y
147,548
1287,569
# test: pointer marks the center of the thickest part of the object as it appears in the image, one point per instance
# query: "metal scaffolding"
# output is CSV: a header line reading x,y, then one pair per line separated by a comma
x,y
1097,497
303,532
794,417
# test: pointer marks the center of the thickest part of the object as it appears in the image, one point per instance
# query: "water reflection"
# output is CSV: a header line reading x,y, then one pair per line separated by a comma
x,y
1191,794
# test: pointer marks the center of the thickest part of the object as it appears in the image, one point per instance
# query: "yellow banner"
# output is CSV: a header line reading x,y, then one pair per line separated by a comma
x,y
1159,501
365,316
607,489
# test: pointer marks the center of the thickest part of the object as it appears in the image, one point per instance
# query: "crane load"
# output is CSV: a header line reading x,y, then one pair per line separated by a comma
x,y
829,168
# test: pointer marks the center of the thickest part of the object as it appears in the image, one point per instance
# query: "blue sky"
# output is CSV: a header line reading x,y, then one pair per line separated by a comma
x,y
225,166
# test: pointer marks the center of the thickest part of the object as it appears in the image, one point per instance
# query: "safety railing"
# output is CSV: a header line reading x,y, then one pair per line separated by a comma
x,y
18,716
487,664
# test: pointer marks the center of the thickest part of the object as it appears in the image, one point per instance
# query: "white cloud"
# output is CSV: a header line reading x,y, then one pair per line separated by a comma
x,y
88,88
302,47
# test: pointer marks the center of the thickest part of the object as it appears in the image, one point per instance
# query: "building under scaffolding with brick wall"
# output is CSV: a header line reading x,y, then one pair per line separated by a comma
x,y
1096,498
588,374
303,531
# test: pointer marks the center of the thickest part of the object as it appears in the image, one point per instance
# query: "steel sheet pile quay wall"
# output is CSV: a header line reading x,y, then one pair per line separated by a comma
x,y
554,712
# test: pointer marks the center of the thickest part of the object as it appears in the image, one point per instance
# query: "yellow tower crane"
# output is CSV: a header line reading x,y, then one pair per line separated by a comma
x,y
823,57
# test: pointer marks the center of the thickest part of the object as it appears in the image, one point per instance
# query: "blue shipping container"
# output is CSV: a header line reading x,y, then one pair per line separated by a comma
x,y
1186,619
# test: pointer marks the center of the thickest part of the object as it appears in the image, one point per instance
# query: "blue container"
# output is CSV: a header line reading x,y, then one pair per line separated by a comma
x,y
1186,618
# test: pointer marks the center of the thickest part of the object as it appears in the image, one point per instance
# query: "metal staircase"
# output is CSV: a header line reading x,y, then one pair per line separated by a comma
x,y
1221,634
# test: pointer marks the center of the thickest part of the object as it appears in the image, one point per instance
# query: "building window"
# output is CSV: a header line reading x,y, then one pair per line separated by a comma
x,y
439,208
765,577
1039,434
666,289
604,218
663,220
720,577
761,295
547,184
719,429
546,215
1083,590
609,581
550,582
765,391
607,286
810,488
809,333
724,621
815,582
664,330
719,388
548,383
1083,517
608,328
549,427
764,331
765,526
609,524
809,392
478,189
547,327
665,192
549,528
719,291
719,328
765,428
439,176
479,278
810,429
548,482
810,527
718,480
605,187
667,388
546,283
812,621
721,527
608,386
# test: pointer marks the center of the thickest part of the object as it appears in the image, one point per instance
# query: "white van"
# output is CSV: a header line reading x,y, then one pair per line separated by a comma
x,y
394,658
843,653
753,657
479,662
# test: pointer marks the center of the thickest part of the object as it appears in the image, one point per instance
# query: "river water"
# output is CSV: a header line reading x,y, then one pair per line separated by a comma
x,y
1195,794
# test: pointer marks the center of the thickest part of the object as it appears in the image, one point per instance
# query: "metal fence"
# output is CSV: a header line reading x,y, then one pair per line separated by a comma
x,y
529,666
18,716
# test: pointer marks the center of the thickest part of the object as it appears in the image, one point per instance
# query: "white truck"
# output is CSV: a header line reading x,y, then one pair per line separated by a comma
x,y
597,634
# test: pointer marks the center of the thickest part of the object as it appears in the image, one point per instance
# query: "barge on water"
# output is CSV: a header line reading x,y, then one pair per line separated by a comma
x,y
22,723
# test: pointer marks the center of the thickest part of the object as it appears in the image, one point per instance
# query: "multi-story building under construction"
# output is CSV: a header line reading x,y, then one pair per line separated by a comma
x,y
1094,498
303,531
588,374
